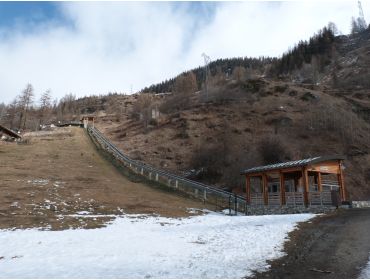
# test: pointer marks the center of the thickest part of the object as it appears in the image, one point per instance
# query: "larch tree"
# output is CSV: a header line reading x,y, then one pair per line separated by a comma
x,y
239,73
142,108
45,105
11,112
185,84
25,101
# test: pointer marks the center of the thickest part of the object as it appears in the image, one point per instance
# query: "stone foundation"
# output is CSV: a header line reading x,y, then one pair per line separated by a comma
x,y
258,210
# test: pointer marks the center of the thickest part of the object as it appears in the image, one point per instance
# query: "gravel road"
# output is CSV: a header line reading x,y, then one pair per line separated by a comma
x,y
336,245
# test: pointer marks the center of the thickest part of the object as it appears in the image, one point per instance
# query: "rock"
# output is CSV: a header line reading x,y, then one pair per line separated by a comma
x,y
308,96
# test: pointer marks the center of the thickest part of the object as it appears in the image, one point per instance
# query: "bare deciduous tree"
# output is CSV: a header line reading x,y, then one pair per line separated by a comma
x,y
45,105
185,84
239,73
25,101
142,108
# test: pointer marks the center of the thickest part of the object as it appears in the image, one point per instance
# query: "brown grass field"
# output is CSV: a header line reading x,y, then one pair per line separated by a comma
x,y
53,176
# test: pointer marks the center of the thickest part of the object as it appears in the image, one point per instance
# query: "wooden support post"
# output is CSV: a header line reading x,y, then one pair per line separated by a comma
x,y
282,188
248,189
176,184
305,185
319,182
341,182
264,189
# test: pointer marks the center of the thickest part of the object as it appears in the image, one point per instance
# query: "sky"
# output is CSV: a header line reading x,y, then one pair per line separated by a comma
x,y
87,48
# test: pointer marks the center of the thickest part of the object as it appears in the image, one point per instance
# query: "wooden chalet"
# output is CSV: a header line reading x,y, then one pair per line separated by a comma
x,y
306,182
9,132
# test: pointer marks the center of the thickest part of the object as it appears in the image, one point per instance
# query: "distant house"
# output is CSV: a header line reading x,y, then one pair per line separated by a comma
x,y
88,120
306,182
155,112
9,133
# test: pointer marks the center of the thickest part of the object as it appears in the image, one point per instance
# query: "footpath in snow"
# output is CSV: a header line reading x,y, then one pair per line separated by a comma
x,y
133,246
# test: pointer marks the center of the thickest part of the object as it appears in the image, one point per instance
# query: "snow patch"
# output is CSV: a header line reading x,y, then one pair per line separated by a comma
x,y
15,204
137,246
40,182
365,274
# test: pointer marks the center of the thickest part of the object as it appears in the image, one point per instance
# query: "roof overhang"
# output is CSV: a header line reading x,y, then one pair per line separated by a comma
x,y
292,164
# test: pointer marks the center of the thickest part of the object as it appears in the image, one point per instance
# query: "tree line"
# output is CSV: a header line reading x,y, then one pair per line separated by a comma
x,y
318,50
25,112
220,66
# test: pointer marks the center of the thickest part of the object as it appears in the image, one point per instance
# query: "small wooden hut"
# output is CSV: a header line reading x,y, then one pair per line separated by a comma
x,y
9,132
306,182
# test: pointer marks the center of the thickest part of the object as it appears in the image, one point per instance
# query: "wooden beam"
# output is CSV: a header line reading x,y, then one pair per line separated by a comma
x,y
248,189
284,170
341,182
259,174
325,167
282,189
305,185
264,188
291,169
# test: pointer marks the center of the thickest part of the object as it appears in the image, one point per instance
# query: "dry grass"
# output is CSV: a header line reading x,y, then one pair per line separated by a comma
x,y
60,174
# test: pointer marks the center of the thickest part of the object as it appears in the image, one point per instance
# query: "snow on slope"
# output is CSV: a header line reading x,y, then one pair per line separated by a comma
x,y
208,246
366,272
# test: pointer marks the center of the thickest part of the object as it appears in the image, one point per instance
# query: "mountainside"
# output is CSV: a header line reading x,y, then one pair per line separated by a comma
x,y
245,120
313,101
259,122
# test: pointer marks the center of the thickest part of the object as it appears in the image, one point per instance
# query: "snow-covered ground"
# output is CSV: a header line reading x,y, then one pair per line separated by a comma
x,y
133,246
366,272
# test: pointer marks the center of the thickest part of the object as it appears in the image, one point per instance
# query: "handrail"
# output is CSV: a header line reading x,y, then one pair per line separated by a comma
x,y
196,185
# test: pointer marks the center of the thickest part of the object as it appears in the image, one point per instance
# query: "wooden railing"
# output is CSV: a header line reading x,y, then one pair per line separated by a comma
x,y
294,198
257,199
209,194
274,199
320,198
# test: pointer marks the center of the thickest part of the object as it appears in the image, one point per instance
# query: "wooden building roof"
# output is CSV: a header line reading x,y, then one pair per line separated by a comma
x,y
289,164
9,132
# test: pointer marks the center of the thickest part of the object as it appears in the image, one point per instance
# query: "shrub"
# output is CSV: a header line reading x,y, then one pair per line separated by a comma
x,y
272,150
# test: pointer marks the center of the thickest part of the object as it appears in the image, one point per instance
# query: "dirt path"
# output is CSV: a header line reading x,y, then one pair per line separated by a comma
x,y
330,246
50,180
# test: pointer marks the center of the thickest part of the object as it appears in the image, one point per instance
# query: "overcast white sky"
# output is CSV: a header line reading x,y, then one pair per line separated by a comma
x,y
94,47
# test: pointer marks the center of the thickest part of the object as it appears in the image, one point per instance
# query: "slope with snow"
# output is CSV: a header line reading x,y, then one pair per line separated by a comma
x,y
134,246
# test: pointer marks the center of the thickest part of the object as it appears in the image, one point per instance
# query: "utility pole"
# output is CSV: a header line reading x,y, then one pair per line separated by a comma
x,y
361,18
207,60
